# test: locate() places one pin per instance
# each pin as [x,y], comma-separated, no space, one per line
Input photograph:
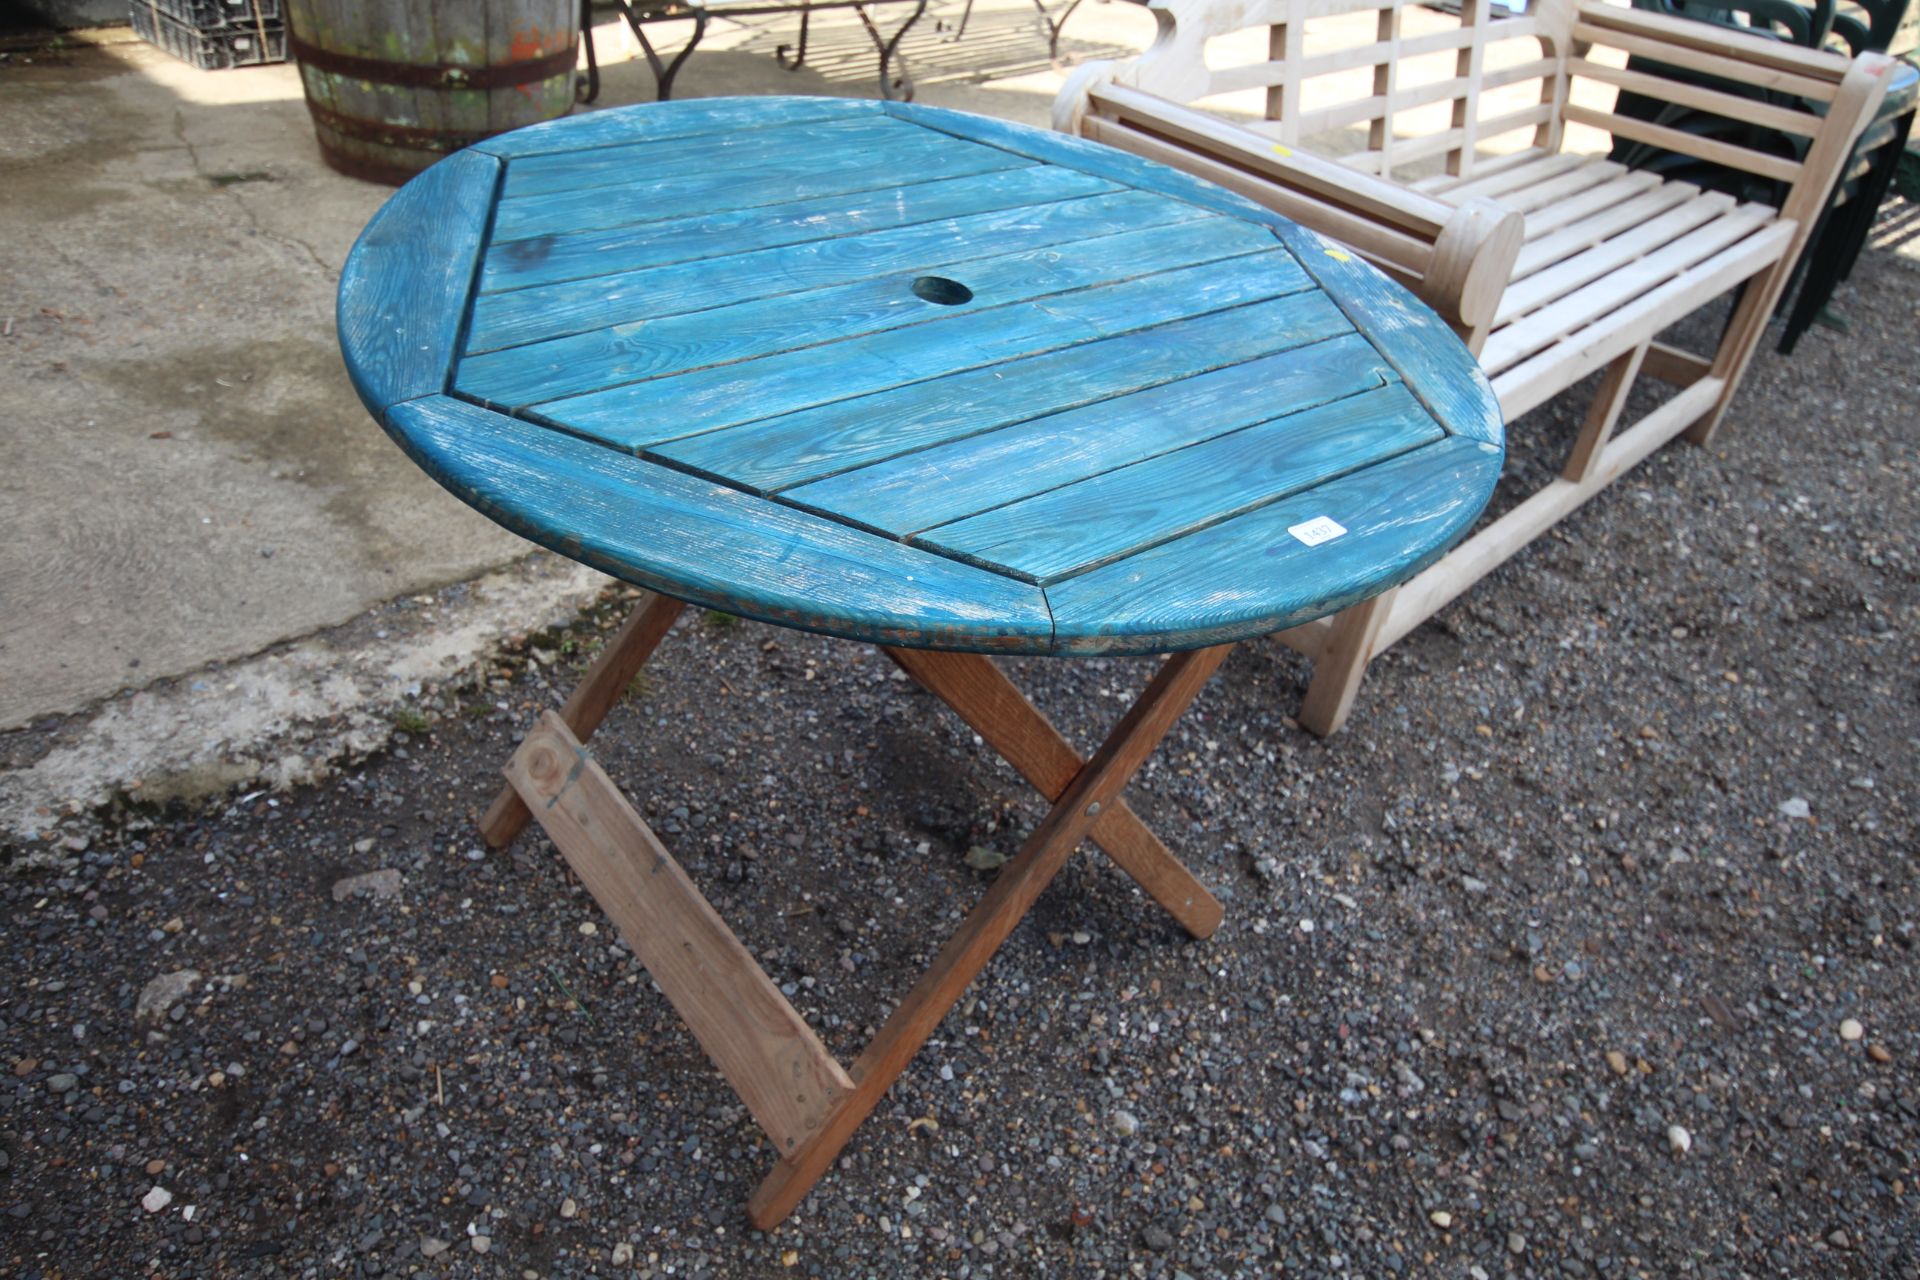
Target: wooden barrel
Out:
[394,85]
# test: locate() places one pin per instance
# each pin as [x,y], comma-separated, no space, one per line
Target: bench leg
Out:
[1341,664]
[1742,339]
[619,661]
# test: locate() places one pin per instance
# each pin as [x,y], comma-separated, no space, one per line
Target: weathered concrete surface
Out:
[187,475]
[287,716]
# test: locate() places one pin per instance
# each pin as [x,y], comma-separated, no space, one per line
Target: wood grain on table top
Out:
[912,376]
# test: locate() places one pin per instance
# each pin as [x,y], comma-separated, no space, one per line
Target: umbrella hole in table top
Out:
[947,385]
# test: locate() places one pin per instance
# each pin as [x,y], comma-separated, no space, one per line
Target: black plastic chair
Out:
[1781,20]
[1848,221]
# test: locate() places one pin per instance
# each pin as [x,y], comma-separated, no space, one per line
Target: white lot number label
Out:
[1317,530]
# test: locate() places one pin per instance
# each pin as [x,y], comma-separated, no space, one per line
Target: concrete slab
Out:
[188,477]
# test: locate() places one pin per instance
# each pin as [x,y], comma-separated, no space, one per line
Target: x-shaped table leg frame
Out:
[799,1094]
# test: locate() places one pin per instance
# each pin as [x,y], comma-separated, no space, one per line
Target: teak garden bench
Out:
[1550,262]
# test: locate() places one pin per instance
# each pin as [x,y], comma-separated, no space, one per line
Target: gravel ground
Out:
[1585,950]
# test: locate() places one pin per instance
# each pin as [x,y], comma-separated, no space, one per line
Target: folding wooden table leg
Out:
[619,660]
[1006,902]
[982,695]
[767,1052]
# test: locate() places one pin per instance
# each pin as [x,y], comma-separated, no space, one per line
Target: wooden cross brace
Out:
[808,1105]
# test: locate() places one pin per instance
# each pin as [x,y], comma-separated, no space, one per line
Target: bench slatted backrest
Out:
[1751,86]
[1391,87]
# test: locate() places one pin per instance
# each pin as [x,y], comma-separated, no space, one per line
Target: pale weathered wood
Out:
[1309,639]
[1745,159]
[1444,184]
[1004,905]
[1566,228]
[1396,252]
[1746,48]
[781,1071]
[1675,367]
[982,695]
[1384,200]
[1678,92]
[1602,413]
[1472,258]
[1862,87]
[1611,293]
[613,669]
[1538,378]
[1709,62]
[1598,262]
[1341,662]
[1489,548]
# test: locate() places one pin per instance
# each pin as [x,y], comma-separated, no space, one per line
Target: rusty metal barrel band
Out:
[417,137]
[429,75]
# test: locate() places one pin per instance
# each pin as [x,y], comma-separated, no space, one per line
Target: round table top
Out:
[914,376]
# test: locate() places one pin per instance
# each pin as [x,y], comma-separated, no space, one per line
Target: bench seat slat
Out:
[1636,198]
[1544,328]
[1584,268]
[1597,199]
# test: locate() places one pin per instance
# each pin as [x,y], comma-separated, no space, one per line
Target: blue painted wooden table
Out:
[912,376]
[895,373]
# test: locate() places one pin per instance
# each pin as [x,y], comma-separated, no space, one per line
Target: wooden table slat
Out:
[1439,368]
[1089,157]
[402,290]
[660,121]
[947,247]
[631,416]
[711,545]
[658,161]
[786,323]
[774,180]
[519,264]
[1250,576]
[937,487]
[1115,514]
[809,452]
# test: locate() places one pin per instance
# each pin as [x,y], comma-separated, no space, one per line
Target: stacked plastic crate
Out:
[214,34]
